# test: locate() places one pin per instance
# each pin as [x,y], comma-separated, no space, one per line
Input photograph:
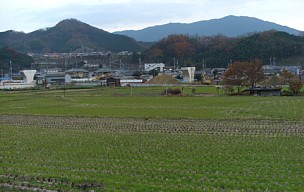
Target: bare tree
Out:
[242,74]
[253,72]
[286,75]
[234,75]
[295,85]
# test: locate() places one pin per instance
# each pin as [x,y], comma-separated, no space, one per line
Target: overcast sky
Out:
[116,15]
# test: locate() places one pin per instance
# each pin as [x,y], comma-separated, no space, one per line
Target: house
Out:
[57,78]
[292,69]
[127,81]
[219,71]
[78,73]
[113,82]
[265,91]
[51,70]
[4,79]
[103,72]
[269,70]
[146,78]
[154,66]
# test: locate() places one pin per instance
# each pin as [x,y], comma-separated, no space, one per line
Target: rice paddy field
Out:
[137,139]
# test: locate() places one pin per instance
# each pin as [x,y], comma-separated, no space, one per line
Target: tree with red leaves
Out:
[243,74]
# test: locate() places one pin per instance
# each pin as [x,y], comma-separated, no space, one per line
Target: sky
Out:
[117,15]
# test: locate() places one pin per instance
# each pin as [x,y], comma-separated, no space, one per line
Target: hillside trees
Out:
[174,46]
[218,51]
[68,35]
[19,60]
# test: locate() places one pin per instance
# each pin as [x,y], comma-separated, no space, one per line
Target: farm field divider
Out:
[107,124]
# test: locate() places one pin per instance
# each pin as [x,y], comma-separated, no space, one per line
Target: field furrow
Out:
[71,153]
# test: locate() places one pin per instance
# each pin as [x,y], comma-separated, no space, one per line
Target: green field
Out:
[118,103]
[112,140]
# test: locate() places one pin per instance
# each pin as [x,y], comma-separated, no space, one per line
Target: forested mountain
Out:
[68,36]
[19,60]
[230,26]
[218,51]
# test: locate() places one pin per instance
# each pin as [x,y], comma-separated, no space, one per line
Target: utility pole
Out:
[139,67]
[110,61]
[65,64]
[204,66]
[11,70]
[174,64]
[120,64]
[299,72]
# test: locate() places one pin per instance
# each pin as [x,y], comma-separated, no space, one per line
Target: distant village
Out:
[114,70]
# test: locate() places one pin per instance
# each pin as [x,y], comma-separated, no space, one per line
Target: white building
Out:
[27,82]
[152,66]
[188,74]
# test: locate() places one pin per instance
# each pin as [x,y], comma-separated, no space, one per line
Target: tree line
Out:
[219,51]
[250,73]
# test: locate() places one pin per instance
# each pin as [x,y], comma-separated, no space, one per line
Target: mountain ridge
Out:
[230,26]
[68,35]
